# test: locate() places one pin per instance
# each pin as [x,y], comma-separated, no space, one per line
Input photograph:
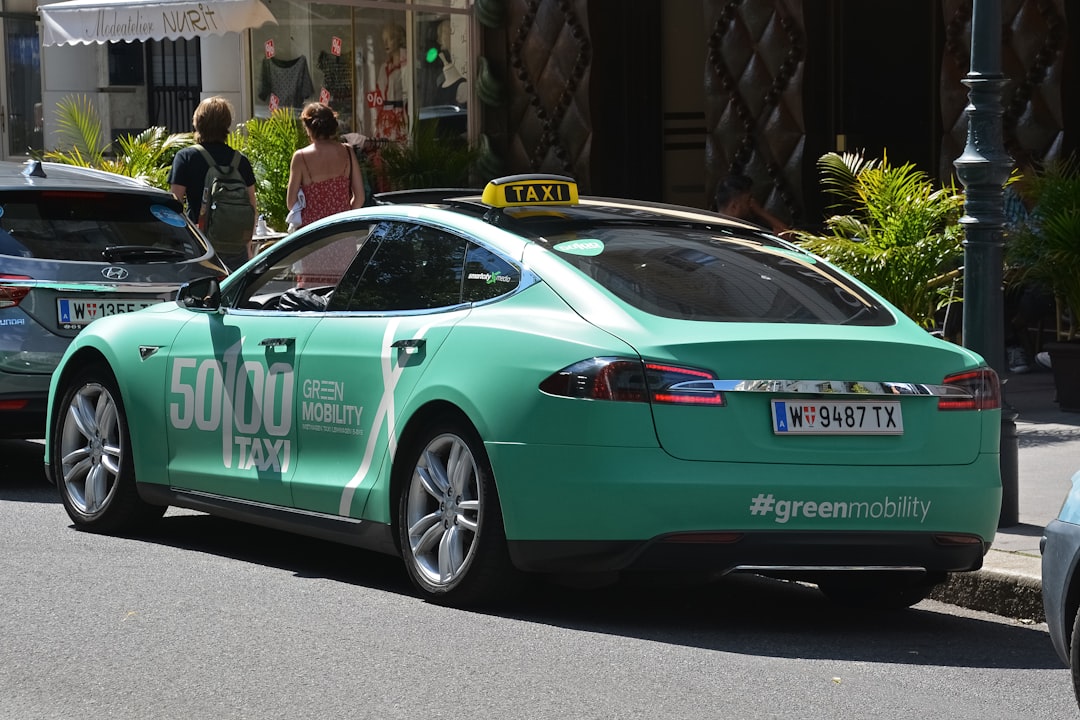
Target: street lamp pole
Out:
[983,169]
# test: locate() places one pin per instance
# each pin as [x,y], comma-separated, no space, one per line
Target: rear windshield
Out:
[712,274]
[95,227]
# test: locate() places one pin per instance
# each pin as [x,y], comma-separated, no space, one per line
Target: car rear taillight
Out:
[12,295]
[974,390]
[629,380]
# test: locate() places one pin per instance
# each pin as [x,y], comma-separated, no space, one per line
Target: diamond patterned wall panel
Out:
[753,97]
[548,126]
[1032,58]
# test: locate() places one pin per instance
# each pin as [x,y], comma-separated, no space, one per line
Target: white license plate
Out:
[80,311]
[833,417]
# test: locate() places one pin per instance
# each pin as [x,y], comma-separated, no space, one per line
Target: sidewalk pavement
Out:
[1010,582]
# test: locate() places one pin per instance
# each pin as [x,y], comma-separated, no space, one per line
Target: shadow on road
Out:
[736,614]
[22,472]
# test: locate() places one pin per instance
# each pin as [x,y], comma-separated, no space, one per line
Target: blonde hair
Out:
[212,119]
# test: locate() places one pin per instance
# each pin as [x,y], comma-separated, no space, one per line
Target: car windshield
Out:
[91,226]
[714,274]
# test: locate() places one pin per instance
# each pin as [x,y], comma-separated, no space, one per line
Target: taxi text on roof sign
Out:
[523,190]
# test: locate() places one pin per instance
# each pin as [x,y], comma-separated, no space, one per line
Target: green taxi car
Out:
[521,381]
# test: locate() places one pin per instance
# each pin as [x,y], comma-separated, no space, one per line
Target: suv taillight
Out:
[628,380]
[12,295]
[977,390]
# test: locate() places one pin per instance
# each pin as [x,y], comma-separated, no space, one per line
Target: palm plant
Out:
[147,156]
[79,130]
[1047,250]
[896,232]
[270,143]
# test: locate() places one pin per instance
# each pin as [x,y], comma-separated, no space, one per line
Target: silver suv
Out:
[75,245]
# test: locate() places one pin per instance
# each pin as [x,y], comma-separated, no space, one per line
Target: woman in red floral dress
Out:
[328,173]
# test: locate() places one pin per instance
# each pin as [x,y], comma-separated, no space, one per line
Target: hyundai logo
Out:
[114,273]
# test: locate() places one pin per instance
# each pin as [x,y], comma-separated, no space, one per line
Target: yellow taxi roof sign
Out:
[526,190]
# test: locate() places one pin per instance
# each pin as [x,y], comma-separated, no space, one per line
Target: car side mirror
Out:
[201,294]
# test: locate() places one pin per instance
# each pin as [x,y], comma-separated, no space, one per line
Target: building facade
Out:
[654,99]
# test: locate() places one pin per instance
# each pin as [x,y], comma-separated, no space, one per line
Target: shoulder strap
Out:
[348,159]
[232,166]
[307,170]
[206,155]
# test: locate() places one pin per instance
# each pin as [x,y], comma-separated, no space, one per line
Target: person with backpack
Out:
[218,184]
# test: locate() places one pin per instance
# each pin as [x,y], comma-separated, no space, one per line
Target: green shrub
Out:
[269,144]
[896,233]
[429,160]
[147,156]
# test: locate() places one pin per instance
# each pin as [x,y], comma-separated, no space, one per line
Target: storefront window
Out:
[381,64]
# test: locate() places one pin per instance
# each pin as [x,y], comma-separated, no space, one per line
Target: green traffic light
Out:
[432,55]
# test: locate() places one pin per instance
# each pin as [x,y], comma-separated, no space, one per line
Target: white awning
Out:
[102,21]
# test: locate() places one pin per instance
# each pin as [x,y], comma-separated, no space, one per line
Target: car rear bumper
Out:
[796,554]
[619,502]
[1060,584]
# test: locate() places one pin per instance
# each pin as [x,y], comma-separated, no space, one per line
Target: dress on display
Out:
[391,120]
[288,79]
[322,199]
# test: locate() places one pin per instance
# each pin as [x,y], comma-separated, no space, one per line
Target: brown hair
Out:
[321,120]
[212,119]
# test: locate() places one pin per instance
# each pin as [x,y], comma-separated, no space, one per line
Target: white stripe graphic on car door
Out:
[391,373]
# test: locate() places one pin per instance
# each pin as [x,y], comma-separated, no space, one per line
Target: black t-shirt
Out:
[189,169]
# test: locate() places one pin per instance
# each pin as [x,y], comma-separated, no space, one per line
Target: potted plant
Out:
[1047,251]
[430,159]
[270,143]
[894,231]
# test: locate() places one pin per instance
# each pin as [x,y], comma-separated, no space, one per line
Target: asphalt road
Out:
[207,618]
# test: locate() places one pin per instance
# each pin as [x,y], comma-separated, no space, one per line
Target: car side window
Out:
[294,273]
[487,275]
[408,267]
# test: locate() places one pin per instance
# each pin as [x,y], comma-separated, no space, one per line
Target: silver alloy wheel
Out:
[91,449]
[443,510]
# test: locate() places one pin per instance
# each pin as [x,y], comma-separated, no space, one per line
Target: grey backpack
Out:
[226,215]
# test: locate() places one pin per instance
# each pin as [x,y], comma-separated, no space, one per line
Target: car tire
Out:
[1074,656]
[868,590]
[450,524]
[91,457]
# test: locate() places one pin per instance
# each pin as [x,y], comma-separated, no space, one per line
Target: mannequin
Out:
[453,88]
[391,120]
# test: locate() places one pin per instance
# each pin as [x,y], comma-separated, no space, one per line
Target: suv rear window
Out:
[93,226]
[715,275]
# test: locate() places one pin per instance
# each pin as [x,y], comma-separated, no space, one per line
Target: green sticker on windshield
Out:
[588,248]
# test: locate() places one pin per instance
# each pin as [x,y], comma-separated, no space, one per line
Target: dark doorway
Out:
[875,67]
[175,82]
[889,71]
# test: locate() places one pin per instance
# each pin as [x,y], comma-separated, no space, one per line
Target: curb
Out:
[1007,592]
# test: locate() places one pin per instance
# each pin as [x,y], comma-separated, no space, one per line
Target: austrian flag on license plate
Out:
[79,311]
[832,417]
